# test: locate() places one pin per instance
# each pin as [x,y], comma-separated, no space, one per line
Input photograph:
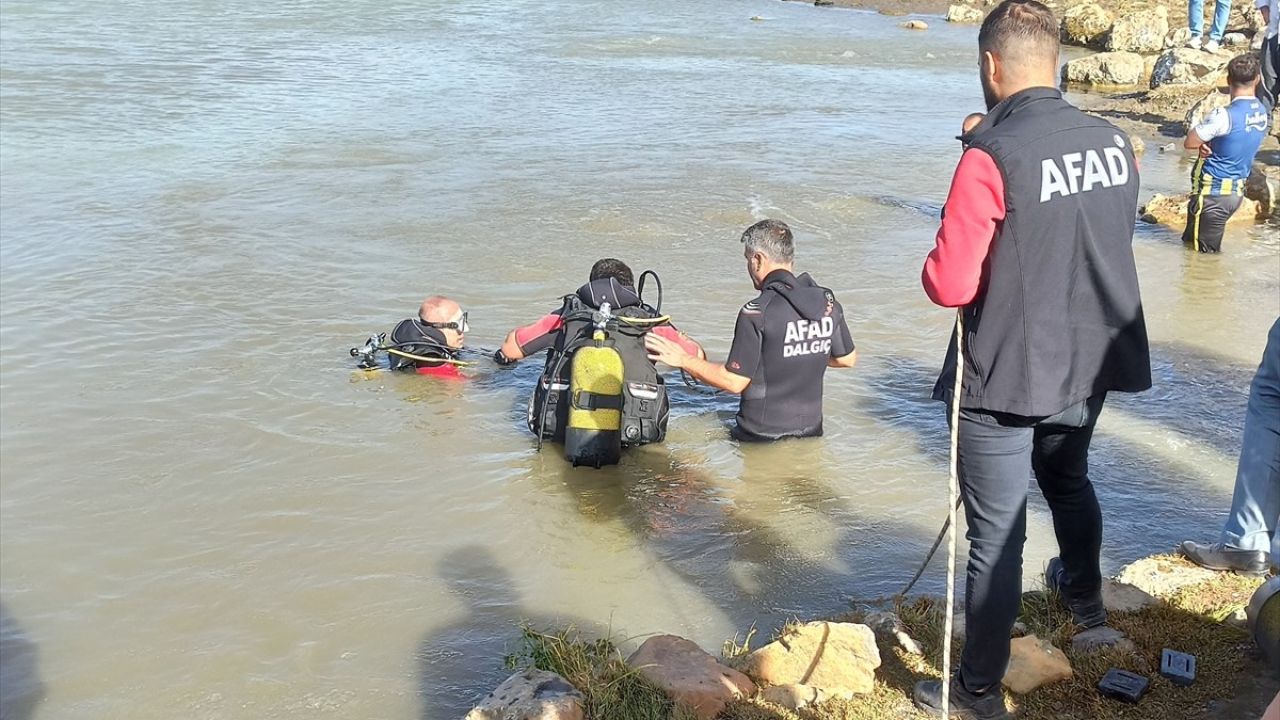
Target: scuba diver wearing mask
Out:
[598,391]
[427,345]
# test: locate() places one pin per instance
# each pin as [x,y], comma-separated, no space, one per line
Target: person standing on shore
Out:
[1270,58]
[1195,21]
[1253,525]
[783,344]
[1035,247]
[1228,140]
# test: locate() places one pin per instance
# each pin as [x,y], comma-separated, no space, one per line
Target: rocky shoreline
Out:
[1140,77]
[863,664]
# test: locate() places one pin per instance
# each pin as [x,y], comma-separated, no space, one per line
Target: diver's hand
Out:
[662,350]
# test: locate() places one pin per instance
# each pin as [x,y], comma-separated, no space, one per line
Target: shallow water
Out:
[204,511]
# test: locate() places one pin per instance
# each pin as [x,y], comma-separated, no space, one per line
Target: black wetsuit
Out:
[783,341]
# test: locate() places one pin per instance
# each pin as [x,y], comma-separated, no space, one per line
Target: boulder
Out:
[1235,38]
[1100,638]
[1034,662]
[531,695]
[1140,32]
[1162,576]
[1118,597]
[916,25]
[1212,100]
[1244,18]
[1264,189]
[888,626]
[837,658]
[823,3]
[1139,145]
[689,675]
[1177,37]
[1106,69]
[1086,24]
[793,697]
[964,14]
[1184,66]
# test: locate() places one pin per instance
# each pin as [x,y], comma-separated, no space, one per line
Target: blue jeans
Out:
[1255,510]
[1195,17]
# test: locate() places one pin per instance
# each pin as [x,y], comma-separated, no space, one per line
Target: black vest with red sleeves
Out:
[1058,317]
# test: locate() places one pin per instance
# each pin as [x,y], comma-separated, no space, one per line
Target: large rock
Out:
[1184,66]
[1118,597]
[1263,187]
[1034,662]
[531,695]
[1105,69]
[964,14]
[1140,32]
[1244,18]
[915,25]
[1171,210]
[1211,101]
[689,675]
[837,658]
[1086,24]
[1163,576]
[1177,37]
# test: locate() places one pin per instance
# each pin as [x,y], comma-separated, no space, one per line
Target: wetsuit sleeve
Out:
[538,336]
[670,332]
[748,343]
[952,275]
[842,341]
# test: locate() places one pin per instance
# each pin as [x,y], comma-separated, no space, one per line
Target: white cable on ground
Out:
[954,488]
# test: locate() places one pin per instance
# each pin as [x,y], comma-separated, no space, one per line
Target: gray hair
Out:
[771,238]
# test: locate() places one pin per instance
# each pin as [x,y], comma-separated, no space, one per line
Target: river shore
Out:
[863,664]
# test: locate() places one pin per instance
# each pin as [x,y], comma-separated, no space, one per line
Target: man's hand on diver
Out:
[1205,151]
[662,350]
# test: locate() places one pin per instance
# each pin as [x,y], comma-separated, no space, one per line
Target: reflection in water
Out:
[20,686]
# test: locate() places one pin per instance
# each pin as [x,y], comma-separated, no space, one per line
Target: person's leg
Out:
[1211,226]
[1270,87]
[1060,457]
[1221,13]
[1255,509]
[995,470]
[1195,207]
[1195,17]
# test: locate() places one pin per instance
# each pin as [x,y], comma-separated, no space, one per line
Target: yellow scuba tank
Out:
[594,433]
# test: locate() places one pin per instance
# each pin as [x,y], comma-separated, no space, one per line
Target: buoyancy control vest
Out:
[412,337]
[643,404]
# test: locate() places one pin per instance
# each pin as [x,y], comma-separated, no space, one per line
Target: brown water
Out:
[205,514]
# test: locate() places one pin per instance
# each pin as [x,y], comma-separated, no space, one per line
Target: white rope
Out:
[954,491]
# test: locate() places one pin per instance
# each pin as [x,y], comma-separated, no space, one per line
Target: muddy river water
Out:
[204,513]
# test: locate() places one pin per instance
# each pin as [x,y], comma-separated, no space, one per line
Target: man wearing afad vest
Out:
[1036,248]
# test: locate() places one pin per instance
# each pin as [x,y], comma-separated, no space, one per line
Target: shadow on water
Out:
[1148,503]
[21,689]
[462,662]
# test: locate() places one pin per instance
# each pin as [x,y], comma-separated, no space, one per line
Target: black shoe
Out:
[1087,610]
[964,704]
[1224,557]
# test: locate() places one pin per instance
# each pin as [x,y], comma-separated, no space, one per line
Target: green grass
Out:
[1188,622]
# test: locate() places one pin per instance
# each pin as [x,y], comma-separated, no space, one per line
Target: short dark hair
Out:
[772,238]
[1020,31]
[1243,70]
[613,268]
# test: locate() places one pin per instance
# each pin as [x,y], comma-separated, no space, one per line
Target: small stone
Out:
[689,675]
[1019,629]
[838,658]
[1235,38]
[964,14]
[1034,662]
[889,626]
[1139,145]
[916,25]
[823,3]
[1239,619]
[531,695]
[1099,638]
[793,697]
[1177,37]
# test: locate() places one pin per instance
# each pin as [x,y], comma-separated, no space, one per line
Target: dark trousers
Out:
[998,454]
[1207,217]
[1270,87]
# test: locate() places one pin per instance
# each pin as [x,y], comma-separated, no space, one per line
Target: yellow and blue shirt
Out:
[1234,133]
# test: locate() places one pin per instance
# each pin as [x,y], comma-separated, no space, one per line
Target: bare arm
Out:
[845,361]
[1193,141]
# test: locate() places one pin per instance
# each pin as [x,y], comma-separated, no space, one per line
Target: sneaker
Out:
[1225,557]
[1087,610]
[1257,41]
[964,704]
[1212,46]
[1194,43]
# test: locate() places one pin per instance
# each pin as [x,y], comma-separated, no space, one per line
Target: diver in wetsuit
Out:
[565,330]
[427,345]
[783,344]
